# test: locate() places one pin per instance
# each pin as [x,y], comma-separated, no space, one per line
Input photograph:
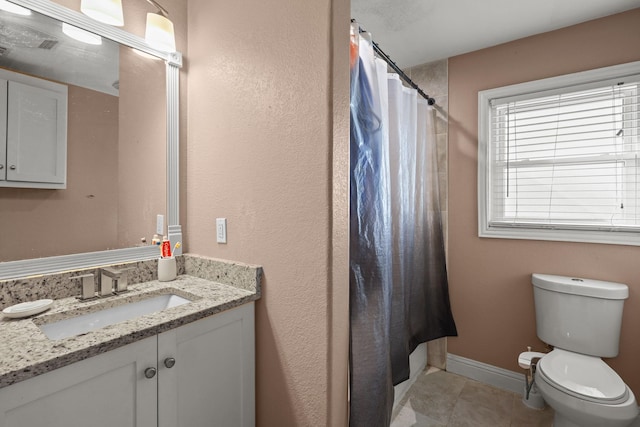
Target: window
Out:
[559,159]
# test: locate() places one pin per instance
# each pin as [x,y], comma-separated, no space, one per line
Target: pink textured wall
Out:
[491,294]
[338,286]
[260,153]
[142,150]
[83,217]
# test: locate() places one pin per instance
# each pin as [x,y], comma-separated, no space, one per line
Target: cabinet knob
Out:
[169,362]
[12,167]
[1,167]
[150,372]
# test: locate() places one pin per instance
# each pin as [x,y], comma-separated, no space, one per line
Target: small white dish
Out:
[26,309]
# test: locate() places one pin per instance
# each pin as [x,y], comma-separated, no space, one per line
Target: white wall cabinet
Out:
[203,375]
[33,132]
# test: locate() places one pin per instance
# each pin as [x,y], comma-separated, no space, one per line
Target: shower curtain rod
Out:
[381,53]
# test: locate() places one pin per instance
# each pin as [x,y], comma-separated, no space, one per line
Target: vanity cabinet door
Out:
[103,391]
[212,382]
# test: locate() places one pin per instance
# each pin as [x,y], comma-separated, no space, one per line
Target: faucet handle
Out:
[88,286]
[114,273]
[114,280]
[122,282]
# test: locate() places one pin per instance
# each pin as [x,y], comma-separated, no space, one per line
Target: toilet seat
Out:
[584,377]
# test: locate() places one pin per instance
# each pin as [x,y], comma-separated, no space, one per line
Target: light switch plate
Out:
[160,225]
[221,230]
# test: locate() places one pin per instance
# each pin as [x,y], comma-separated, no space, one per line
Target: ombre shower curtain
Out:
[398,280]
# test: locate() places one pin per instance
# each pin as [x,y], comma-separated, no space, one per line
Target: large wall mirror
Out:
[122,144]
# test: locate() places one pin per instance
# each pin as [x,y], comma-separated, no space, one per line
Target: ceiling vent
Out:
[48,44]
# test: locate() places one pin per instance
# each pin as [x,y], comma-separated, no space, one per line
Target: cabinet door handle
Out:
[169,362]
[1,167]
[150,372]
[12,167]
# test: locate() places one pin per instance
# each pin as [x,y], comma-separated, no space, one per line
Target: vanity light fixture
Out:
[105,11]
[81,35]
[14,8]
[159,33]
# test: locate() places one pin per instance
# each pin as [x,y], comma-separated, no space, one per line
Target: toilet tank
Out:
[579,315]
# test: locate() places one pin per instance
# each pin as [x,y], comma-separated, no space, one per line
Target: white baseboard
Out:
[488,374]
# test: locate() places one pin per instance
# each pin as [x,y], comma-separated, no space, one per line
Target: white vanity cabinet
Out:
[200,374]
[33,132]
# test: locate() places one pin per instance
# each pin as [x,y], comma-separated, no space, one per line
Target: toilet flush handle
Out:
[526,359]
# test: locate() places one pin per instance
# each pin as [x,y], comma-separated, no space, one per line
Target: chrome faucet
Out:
[113,281]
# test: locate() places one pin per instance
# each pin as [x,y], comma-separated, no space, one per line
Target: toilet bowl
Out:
[581,319]
[584,391]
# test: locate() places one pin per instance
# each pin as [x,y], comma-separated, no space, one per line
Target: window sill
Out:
[579,236]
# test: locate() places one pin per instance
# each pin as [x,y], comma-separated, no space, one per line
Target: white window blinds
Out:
[566,158]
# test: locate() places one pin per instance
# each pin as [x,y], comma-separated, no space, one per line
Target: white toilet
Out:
[581,319]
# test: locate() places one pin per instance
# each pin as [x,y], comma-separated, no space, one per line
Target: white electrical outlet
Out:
[221,230]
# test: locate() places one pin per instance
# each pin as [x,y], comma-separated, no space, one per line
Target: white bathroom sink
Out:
[99,319]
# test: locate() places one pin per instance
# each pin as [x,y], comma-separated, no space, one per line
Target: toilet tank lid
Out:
[579,286]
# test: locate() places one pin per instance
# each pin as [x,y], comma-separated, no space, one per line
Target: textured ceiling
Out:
[414,32]
[36,45]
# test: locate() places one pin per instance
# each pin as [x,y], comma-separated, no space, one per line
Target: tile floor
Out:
[443,399]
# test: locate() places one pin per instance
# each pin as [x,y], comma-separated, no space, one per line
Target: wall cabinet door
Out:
[34,132]
[213,380]
[4,88]
[104,391]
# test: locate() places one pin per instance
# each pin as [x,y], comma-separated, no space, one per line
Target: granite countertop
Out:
[26,352]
